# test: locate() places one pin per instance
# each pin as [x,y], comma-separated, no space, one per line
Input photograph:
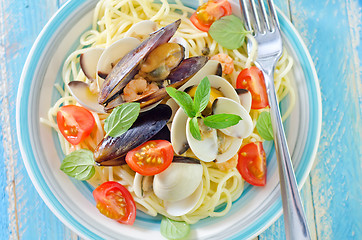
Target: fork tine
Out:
[273,14]
[257,25]
[264,15]
[245,14]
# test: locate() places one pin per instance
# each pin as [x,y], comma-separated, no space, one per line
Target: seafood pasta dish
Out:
[163,111]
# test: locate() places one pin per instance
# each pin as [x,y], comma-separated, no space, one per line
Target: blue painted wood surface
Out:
[332,193]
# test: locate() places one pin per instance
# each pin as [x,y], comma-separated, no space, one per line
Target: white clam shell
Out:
[245,100]
[137,185]
[245,126]
[228,147]
[206,149]
[81,92]
[178,181]
[174,107]
[185,205]
[178,132]
[89,60]
[141,29]
[112,54]
[182,42]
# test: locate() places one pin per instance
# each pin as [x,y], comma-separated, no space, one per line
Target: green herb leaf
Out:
[220,121]
[202,95]
[121,119]
[264,126]
[79,164]
[194,128]
[229,32]
[183,100]
[174,230]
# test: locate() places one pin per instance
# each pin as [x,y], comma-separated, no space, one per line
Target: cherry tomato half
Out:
[75,123]
[253,80]
[150,158]
[115,201]
[252,163]
[209,12]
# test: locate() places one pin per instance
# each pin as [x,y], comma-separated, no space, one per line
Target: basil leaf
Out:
[79,164]
[264,126]
[202,95]
[220,121]
[194,128]
[174,230]
[183,100]
[121,119]
[229,32]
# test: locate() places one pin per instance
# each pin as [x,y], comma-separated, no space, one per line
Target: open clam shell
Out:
[245,126]
[178,181]
[88,62]
[142,29]
[112,54]
[82,93]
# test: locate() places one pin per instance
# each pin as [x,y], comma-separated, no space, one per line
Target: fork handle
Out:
[296,226]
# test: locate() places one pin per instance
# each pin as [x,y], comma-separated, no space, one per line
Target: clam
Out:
[179,180]
[178,132]
[142,29]
[128,66]
[84,96]
[112,54]
[88,62]
[112,151]
[174,107]
[207,149]
[245,98]
[185,205]
[241,130]
[227,146]
[142,185]
[182,42]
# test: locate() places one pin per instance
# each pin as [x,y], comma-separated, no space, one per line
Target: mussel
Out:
[128,66]
[177,77]
[112,151]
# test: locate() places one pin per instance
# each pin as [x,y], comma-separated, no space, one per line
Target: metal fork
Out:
[266,30]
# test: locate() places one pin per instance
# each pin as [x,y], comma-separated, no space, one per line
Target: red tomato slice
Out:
[115,201]
[253,80]
[209,12]
[150,158]
[252,163]
[75,123]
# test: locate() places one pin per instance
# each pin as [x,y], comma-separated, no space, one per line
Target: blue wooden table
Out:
[332,193]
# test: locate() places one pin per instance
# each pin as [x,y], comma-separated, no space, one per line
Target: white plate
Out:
[72,200]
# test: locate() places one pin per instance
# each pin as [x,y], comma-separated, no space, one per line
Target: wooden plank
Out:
[332,39]
[28,217]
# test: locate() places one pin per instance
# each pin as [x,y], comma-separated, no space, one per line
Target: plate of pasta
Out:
[148,120]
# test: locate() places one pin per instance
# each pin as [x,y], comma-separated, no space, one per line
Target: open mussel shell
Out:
[144,128]
[178,76]
[128,66]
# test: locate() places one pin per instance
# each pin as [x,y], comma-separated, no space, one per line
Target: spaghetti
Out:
[111,20]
